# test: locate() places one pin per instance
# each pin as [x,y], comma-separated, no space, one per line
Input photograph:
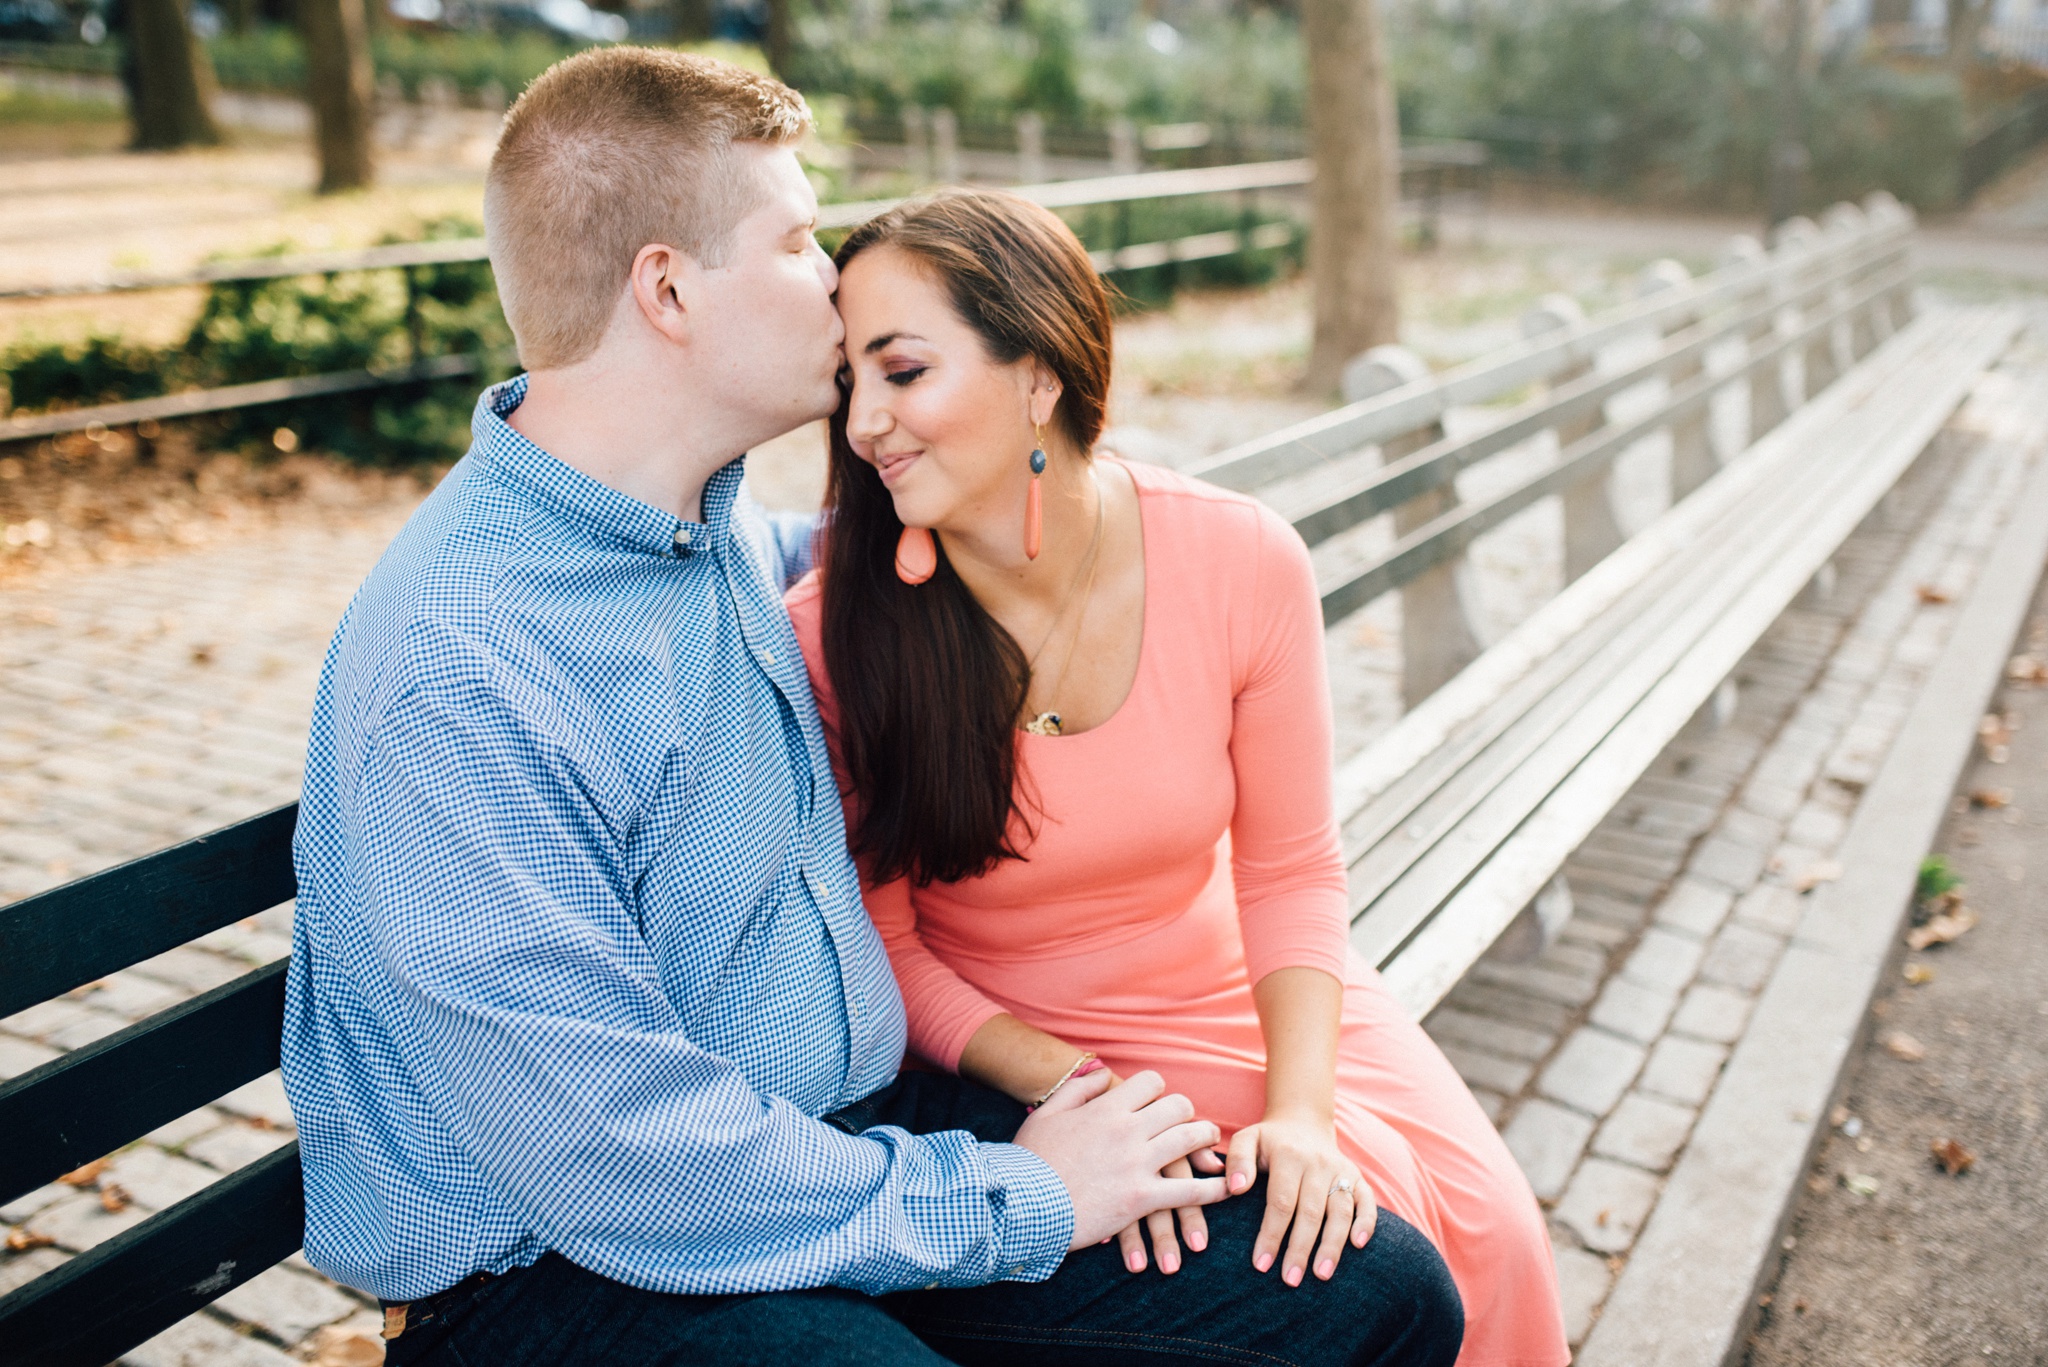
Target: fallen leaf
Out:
[202,654]
[1799,1306]
[1928,593]
[114,1198]
[1818,872]
[1996,737]
[1918,974]
[85,1176]
[1901,1045]
[1991,797]
[21,1240]
[1952,1156]
[2030,669]
[1839,1116]
[336,1346]
[1860,1184]
[1601,1218]
[1942,929]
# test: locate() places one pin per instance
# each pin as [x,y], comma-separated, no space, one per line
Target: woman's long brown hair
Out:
[929,685]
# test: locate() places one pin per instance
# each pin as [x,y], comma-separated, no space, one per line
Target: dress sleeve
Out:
[941,1008]
[1285,852]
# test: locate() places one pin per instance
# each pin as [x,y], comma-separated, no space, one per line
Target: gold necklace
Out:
[1047,723]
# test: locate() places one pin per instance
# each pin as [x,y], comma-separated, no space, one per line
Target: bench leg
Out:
[1535,926]
[1438,637]
[1692,442]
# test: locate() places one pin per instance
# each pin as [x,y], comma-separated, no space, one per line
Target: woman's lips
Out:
[891,468]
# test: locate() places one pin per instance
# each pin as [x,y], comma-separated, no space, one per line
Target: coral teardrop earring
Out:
[1034,508]
[917,555]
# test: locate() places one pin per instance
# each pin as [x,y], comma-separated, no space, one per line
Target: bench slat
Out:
[92,1101]
[71,935]
[139,1283]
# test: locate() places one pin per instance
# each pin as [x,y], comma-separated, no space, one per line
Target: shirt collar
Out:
[596,509]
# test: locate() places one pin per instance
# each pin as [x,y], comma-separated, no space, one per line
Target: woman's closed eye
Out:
[905,376]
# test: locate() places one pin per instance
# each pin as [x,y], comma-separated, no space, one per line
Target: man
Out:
[592,1048]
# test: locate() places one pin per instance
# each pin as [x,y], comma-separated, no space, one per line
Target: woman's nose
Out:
[866,417]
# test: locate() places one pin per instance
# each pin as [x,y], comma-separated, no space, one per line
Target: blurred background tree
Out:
[169,79]
[341,88]
[1356,144]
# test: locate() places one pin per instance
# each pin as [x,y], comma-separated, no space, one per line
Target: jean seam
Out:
[1106,1338]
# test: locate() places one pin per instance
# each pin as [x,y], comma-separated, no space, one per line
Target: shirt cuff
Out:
[1034,1216]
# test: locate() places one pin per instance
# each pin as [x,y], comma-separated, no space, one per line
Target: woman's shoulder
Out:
[1210,519]
[805,603]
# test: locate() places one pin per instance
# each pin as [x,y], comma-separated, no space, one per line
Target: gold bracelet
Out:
[1065,1078]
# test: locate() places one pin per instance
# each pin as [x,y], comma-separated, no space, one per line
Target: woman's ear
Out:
[1045,394]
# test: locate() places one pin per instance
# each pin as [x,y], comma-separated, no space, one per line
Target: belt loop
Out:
[394,1320]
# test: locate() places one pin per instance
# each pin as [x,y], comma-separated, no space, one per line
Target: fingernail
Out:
[1292,1276]
[1237,1181]
[1325,1268]
[1168,1263]
[1198,1241]
[1262,1261]
[1136,1262]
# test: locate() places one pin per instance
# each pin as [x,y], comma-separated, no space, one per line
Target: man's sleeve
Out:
[532,1014]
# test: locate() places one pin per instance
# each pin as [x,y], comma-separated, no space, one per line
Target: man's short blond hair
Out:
[606,152]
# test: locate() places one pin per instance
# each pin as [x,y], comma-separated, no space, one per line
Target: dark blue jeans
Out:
[1391,1303]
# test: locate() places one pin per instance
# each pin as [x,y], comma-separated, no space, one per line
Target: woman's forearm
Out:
[1301,1012]
[1016,1059]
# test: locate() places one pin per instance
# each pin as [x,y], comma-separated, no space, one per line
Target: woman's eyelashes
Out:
[905,376]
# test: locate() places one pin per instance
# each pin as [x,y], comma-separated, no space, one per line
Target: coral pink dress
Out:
[1187,847]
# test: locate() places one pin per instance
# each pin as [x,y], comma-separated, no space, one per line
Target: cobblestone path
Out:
[147,703]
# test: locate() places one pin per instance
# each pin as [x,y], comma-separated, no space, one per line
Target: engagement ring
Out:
[1342,1184]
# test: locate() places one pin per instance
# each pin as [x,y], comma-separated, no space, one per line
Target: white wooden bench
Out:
[1459,818]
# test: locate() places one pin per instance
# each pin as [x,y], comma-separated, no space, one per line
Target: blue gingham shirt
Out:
[579,956]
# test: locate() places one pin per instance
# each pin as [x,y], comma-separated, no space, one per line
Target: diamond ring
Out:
[1342,1184]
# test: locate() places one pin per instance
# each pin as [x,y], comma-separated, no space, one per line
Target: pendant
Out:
[1044,724]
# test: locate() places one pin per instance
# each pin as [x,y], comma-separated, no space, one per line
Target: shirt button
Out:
[931,1286]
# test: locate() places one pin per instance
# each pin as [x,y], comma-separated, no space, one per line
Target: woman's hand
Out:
[1310,1184]
[1194,1230]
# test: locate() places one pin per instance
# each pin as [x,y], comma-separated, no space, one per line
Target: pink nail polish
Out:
[1263,1262]
[1325,1268]
[1292,1276]
[1137,1262]
[1198,1242]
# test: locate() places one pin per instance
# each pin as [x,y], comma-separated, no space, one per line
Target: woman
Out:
[1080,709]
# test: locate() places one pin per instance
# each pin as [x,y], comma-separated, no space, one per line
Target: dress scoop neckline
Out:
[1145,620]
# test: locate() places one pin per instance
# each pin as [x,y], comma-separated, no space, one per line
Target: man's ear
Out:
[664,284]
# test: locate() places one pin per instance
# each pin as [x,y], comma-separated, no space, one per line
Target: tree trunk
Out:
[341,87]
[781,35]
[1966,20]
[170,79]
[1356,144]
[1787,184]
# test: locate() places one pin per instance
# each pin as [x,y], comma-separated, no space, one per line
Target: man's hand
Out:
[1109,1143]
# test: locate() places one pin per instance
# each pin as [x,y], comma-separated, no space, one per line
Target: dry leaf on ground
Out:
[1859,1183]
[336,1346]
[21,1241]
[1942,929]
[1991,797]
[1952,1156]
[1901,1045]
[1918,974]
[114,1198]
[1932,593]
[85,1176]
[2027,669]
[1996,736]
[1816,873]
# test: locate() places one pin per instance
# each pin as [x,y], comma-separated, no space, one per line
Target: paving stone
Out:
[195,970]
[157,1179]
[18,1056]
[1664,959]
[1712,1013]
[1583,1280]
[1546,1140]
[1645,1130]
[28,1203]
[1505,1038]
[1480,1069]
[1751,829]
[81,1222]
[1694,907]
[1728,863]
[45,1018]
[1606,1204]
[130,995]
[1595,935]
[1505,1003]
[203,1342]
[236,1146]
[19,1269]
[186,1127]
[1591,1071]
[1770,907]
[263,1099]
[1741,957]
[1817,826]
[1632,1010]
[1683,1070]
[83,1030]
[286,1305]
[1565,989]
[1492,1103]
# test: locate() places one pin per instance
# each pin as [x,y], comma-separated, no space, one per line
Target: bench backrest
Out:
[98,1098]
